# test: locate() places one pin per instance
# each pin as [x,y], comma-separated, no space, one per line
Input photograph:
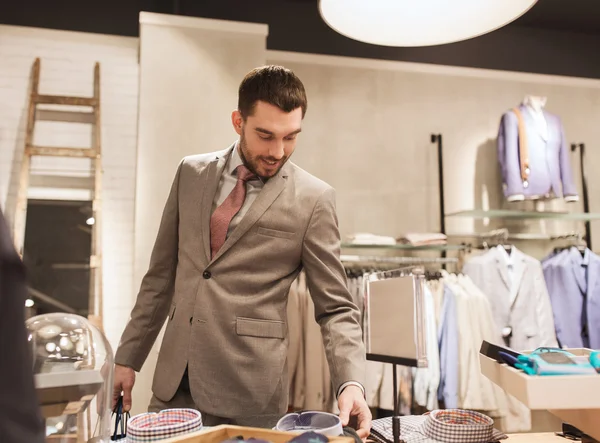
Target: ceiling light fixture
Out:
[419,22]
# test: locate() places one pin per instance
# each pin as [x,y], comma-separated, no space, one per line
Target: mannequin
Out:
[536,103]
[535,106]
[533,154]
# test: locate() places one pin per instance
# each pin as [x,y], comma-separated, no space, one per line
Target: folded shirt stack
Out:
[424,239]
[152,426]
[440,426]
[370,239]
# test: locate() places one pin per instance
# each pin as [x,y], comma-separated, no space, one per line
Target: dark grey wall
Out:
[56,234]
[555,37]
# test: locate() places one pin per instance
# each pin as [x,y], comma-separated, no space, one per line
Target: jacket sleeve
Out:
[558,298]
[336,313]
[508,156]
[566,173]
[157,287]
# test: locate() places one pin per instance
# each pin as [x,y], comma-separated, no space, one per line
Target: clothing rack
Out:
[433,275]
[573,235]
[502,237]
[494,238]
[358,265]
[579,242]
[361,259]
[396,273]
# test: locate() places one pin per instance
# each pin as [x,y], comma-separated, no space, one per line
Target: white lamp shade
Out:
[419,22]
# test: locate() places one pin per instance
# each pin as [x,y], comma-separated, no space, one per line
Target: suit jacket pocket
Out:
[260,328]
[275,233]
[172,311]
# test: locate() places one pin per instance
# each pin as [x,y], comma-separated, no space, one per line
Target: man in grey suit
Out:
[238,227]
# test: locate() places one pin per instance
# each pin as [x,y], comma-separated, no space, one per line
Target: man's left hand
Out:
[352,403]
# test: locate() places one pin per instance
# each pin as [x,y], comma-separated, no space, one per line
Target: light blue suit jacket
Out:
[550,166]
[573,283]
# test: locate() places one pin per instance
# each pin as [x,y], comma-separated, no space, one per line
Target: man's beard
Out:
[252,162]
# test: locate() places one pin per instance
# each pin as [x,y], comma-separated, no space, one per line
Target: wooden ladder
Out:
[84,116]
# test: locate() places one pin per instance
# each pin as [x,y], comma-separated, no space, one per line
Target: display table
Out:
[217,434]
[575,399]
[220,433]
[546,437]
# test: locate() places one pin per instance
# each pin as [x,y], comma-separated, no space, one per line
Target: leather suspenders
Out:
[523,149]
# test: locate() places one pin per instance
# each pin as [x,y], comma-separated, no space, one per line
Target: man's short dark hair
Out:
[272,84]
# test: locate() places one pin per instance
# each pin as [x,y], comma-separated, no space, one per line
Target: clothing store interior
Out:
[423,268]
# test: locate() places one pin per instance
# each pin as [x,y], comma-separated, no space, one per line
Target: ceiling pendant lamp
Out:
[419,22]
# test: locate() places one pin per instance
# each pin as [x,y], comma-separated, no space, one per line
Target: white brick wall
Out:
[67,63]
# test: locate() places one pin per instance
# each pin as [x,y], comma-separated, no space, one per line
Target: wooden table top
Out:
[546,437]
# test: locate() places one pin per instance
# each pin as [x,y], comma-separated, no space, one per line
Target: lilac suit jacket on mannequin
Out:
[574,286]
[550,166]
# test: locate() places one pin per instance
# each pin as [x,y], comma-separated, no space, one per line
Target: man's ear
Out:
[237,121]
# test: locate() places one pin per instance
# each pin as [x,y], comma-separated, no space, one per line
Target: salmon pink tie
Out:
[219,222]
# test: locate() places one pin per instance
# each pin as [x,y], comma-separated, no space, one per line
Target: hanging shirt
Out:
[448,340]
[426,380]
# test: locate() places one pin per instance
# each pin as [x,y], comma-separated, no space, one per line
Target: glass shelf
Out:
[530,236]
[405,247]
[517,214]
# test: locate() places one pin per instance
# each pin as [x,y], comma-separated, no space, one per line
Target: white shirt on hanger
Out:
[427,380]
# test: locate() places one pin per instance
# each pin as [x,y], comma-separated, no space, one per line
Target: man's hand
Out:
[352,403]
[124,379]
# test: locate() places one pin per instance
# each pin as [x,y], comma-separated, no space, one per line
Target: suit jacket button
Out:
[206,275]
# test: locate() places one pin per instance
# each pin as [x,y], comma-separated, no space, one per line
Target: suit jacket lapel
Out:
[576,268]
[263,201]
[519,265]
[211,183]
[502,267]
[536,124]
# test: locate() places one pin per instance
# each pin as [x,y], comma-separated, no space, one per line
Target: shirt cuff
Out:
[572,198]
[350,383]
[515,198]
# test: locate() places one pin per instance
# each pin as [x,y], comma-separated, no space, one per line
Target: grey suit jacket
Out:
[524,306]
[550,166]
[227,315]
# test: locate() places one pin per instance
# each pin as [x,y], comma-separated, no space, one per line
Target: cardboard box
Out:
[219,433]
[575,399]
